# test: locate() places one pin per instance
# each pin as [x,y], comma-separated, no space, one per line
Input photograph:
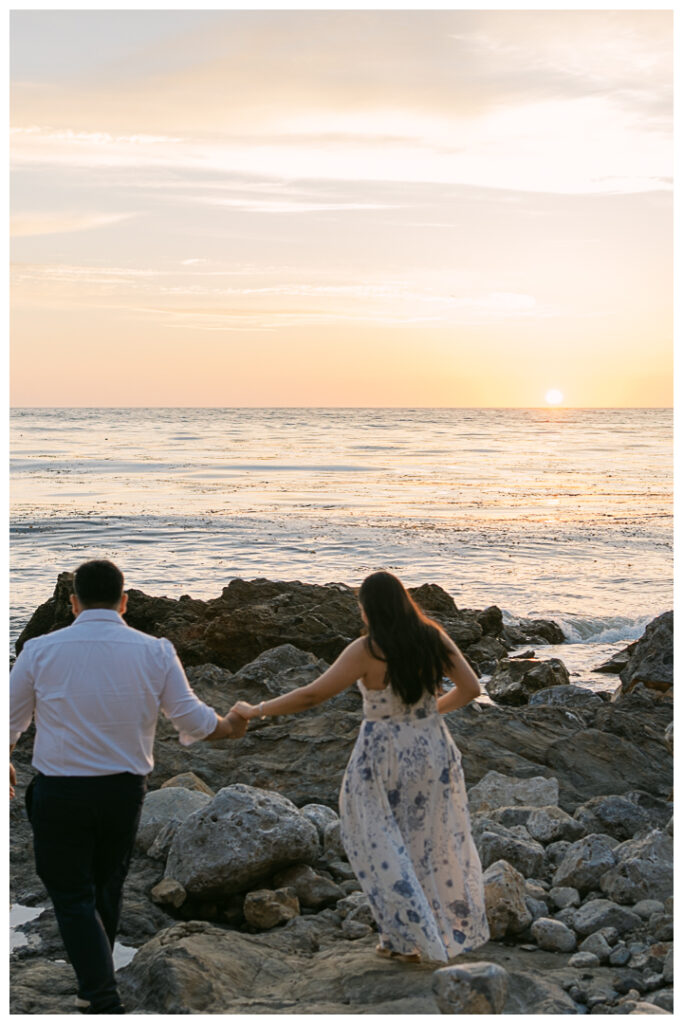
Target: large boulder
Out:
[643,869]
[505,897]
[584,863]
[553,935]
[566,695]
[496,790]
[238,839]
[651,660]
[252,616]
[167,807]
[532,631]
[516,679]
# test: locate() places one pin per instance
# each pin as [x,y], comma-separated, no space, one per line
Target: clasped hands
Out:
[239,716]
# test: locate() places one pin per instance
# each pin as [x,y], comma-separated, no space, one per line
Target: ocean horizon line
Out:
[463,408]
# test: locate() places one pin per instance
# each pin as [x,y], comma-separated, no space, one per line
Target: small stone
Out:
[537,908]
[646,908]
[553,935]
[341,870]
[596,944]
[602,913]
[332,840]
[534,889]
[610,934]
[620,955]
[477,987]
[188,780]
[168,892]
[662,926]
[628,983]
[528,947]
[664,999]
[584,959]
[562,896]
[653,980]
[321,816]
[357,908]
[668,970]
[643,1007]
[265,908]
[355,929]
[312,889]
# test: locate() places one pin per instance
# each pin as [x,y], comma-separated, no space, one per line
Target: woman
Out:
[403,806]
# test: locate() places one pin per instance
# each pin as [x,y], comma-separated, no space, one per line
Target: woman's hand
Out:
[245,710]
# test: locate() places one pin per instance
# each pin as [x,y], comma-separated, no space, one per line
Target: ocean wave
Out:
[602,629]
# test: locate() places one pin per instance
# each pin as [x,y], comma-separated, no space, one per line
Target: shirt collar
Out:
[98,615]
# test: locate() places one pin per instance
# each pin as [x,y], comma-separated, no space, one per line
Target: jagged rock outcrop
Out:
[651,659]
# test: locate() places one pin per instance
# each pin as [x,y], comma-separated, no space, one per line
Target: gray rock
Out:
[554,852]
[598,945]
[266,908]
[535,889]
[495,790]
[646,908]
[584,959]
[643,869]
[357,908]
[332,840]
[616,815]
[163,807]
[242,836]
[352,929]
[498,843]
[598,914]
[312,890]
[566,916]
[651,660]
[668,968]
[506,909]
[321,816]
[537,908]
[548,824]
[562,896]
[611,934]
[477,987]
[553,935]
[516,679]
[662,927]
[584,863]
[341,870]
[620,955]
[664,999]
[565,695]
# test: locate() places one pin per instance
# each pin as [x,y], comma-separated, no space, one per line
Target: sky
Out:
[341,208]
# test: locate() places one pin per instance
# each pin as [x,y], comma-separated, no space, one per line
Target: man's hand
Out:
[238,724]
[13,779]
[231,727]
[244,710]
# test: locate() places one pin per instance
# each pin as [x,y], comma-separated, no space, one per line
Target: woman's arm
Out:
[466,687]
[349,666]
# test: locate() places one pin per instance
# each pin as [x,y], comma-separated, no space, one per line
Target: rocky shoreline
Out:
[240,898]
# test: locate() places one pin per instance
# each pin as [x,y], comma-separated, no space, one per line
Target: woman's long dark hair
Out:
[412,645]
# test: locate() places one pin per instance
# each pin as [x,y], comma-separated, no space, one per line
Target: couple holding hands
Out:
[95,690]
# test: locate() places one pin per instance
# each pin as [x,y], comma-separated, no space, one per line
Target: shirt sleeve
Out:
[22,697]
[193,719]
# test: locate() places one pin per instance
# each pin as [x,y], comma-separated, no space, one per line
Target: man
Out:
[96,688]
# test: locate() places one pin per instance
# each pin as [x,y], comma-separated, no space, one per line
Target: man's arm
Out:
[22,700]
[193,719]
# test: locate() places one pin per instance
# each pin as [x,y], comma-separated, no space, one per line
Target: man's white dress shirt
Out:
[96,688]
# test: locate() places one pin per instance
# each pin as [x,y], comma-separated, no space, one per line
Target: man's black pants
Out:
[83,834]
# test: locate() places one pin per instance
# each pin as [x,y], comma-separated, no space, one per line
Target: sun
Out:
[554,397]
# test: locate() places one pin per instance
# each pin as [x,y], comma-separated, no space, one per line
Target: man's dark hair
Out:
[98,584]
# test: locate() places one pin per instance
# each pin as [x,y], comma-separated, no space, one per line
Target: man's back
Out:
[97,688]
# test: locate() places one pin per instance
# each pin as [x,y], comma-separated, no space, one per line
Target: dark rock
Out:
[566,695]
[616,815]
[643,869]
[617,662]
[651,660]
[530,631]
[514,680]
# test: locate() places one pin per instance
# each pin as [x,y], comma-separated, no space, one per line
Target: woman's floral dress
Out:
[406,830]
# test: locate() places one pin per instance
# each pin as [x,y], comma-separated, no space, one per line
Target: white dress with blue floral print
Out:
[406,829]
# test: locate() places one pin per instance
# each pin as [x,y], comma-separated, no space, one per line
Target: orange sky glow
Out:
[350,208]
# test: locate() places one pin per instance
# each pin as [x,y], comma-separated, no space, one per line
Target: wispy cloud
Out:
[61,222]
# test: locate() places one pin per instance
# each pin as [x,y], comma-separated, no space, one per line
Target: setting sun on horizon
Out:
[341,208]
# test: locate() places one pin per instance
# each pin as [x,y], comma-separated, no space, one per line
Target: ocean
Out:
[559,513]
